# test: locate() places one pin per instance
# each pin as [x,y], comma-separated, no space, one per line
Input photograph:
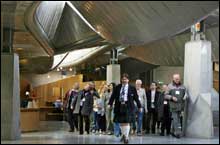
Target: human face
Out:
[138,85]
[91,85]
[105,88]
[153,86]
[164,88]
[87,87]
[76,86]
[124,80]
[176,78]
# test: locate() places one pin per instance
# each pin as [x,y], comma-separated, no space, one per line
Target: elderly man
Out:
[176,93]
[143,99]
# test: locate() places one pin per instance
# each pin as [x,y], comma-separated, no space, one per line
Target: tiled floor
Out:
[56,133]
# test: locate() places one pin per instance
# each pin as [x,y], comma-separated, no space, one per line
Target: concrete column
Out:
[198,81]
[7,40]
[113,70]
[113,73]
[10,97]
[2,33]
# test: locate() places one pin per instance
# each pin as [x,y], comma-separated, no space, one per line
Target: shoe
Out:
[96,132]
[126,141]
[176,136]
[71,130]
[161,134]
[133,132]
[109,133]
[139,134]
[122,138]
[104,133]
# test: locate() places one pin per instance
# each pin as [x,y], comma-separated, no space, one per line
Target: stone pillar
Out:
[198,81]
[2,34]
[10,87]
[113,73]
[113,70]
[7,40]
[10,97]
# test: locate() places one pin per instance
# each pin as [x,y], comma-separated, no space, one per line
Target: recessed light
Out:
[19,49]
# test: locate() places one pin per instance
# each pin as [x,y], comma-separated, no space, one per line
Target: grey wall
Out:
[165,73]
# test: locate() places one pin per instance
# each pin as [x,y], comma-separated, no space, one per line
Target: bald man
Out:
[176,94]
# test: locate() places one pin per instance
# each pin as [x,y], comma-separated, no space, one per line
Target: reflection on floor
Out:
[57,133]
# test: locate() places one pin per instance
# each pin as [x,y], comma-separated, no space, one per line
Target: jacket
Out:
[76,102]
[160,106]
[132,96]
[179,91]
[87,106]
[157,95]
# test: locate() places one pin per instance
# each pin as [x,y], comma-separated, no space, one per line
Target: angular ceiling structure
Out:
[153,32]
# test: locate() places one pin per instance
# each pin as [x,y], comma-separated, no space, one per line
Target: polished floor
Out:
[57,133]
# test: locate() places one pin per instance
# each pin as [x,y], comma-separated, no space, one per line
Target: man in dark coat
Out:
[124,96]
[152,99]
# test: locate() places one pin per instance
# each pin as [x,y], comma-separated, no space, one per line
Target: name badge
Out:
[165,102]
[177,92]
[122,102]
[139,98]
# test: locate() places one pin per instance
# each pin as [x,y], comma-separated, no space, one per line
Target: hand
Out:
[182,113]
[174,99]
[140,109]
[109,107]
[146,111]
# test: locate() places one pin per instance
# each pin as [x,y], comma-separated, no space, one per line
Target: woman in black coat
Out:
[164,114]
[86,106]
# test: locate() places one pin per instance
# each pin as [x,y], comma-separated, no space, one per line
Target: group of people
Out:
[124,109]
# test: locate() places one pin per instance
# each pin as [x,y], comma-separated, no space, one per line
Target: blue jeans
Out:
[116,129]
[139,122]
[95,122]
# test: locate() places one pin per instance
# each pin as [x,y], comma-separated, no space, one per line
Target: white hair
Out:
[138,81]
